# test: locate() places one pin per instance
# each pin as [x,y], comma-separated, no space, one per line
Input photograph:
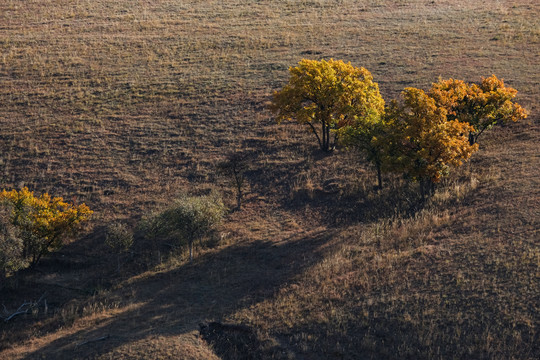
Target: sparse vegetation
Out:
[122,105]
[234,168]
[119,238]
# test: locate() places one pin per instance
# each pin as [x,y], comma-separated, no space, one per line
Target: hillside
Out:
[124,105]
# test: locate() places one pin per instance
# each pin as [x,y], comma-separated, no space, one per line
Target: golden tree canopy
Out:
[425,144]
[330,94]
[482,106]
[45,221]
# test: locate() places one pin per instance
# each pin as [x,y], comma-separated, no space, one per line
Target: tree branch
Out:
[92,340]
[315,132]
[21,310]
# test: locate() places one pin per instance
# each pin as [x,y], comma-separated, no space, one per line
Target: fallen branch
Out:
[25,308]
[92,340]
[19,311]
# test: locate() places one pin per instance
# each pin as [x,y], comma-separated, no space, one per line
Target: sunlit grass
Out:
[125,104]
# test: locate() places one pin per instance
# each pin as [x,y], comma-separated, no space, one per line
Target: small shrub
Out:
[188,219]
[119,238]
[234,168]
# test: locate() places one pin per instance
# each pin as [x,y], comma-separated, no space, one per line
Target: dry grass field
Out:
[125,104]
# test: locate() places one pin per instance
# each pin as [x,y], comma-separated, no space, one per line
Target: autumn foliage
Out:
[327,95]
[422,142]
[40,224]
[423,136]
[481,105]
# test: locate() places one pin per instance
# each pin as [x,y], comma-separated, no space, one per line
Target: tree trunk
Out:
[316,135]
[472,138]
[238,177]
[427,188]
[239,200]
[35,260]
[379,175]
[423,189]
[324,139]
[191,251]
[330,147]
[326,145]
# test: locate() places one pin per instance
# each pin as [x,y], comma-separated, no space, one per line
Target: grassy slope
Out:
[121,104]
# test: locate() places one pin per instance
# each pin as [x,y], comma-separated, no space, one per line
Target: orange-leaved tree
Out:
[423,143]
[327,95]
[482,106]
[44,222]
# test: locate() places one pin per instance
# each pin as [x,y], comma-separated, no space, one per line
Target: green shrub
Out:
[118,237]
[11,245]
[188,219]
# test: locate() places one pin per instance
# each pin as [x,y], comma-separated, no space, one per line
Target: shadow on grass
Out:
[398,199]
[175,302]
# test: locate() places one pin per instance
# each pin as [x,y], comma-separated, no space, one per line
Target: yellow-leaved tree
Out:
[423,143]
[43,223]
[326,96]
[481,105]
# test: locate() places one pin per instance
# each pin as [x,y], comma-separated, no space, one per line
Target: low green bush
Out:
[187,220]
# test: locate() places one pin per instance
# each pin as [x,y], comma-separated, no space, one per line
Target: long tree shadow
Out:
[175,302]
[400,199]
[331,192]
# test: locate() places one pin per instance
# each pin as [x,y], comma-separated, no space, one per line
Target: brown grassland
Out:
[125,104]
